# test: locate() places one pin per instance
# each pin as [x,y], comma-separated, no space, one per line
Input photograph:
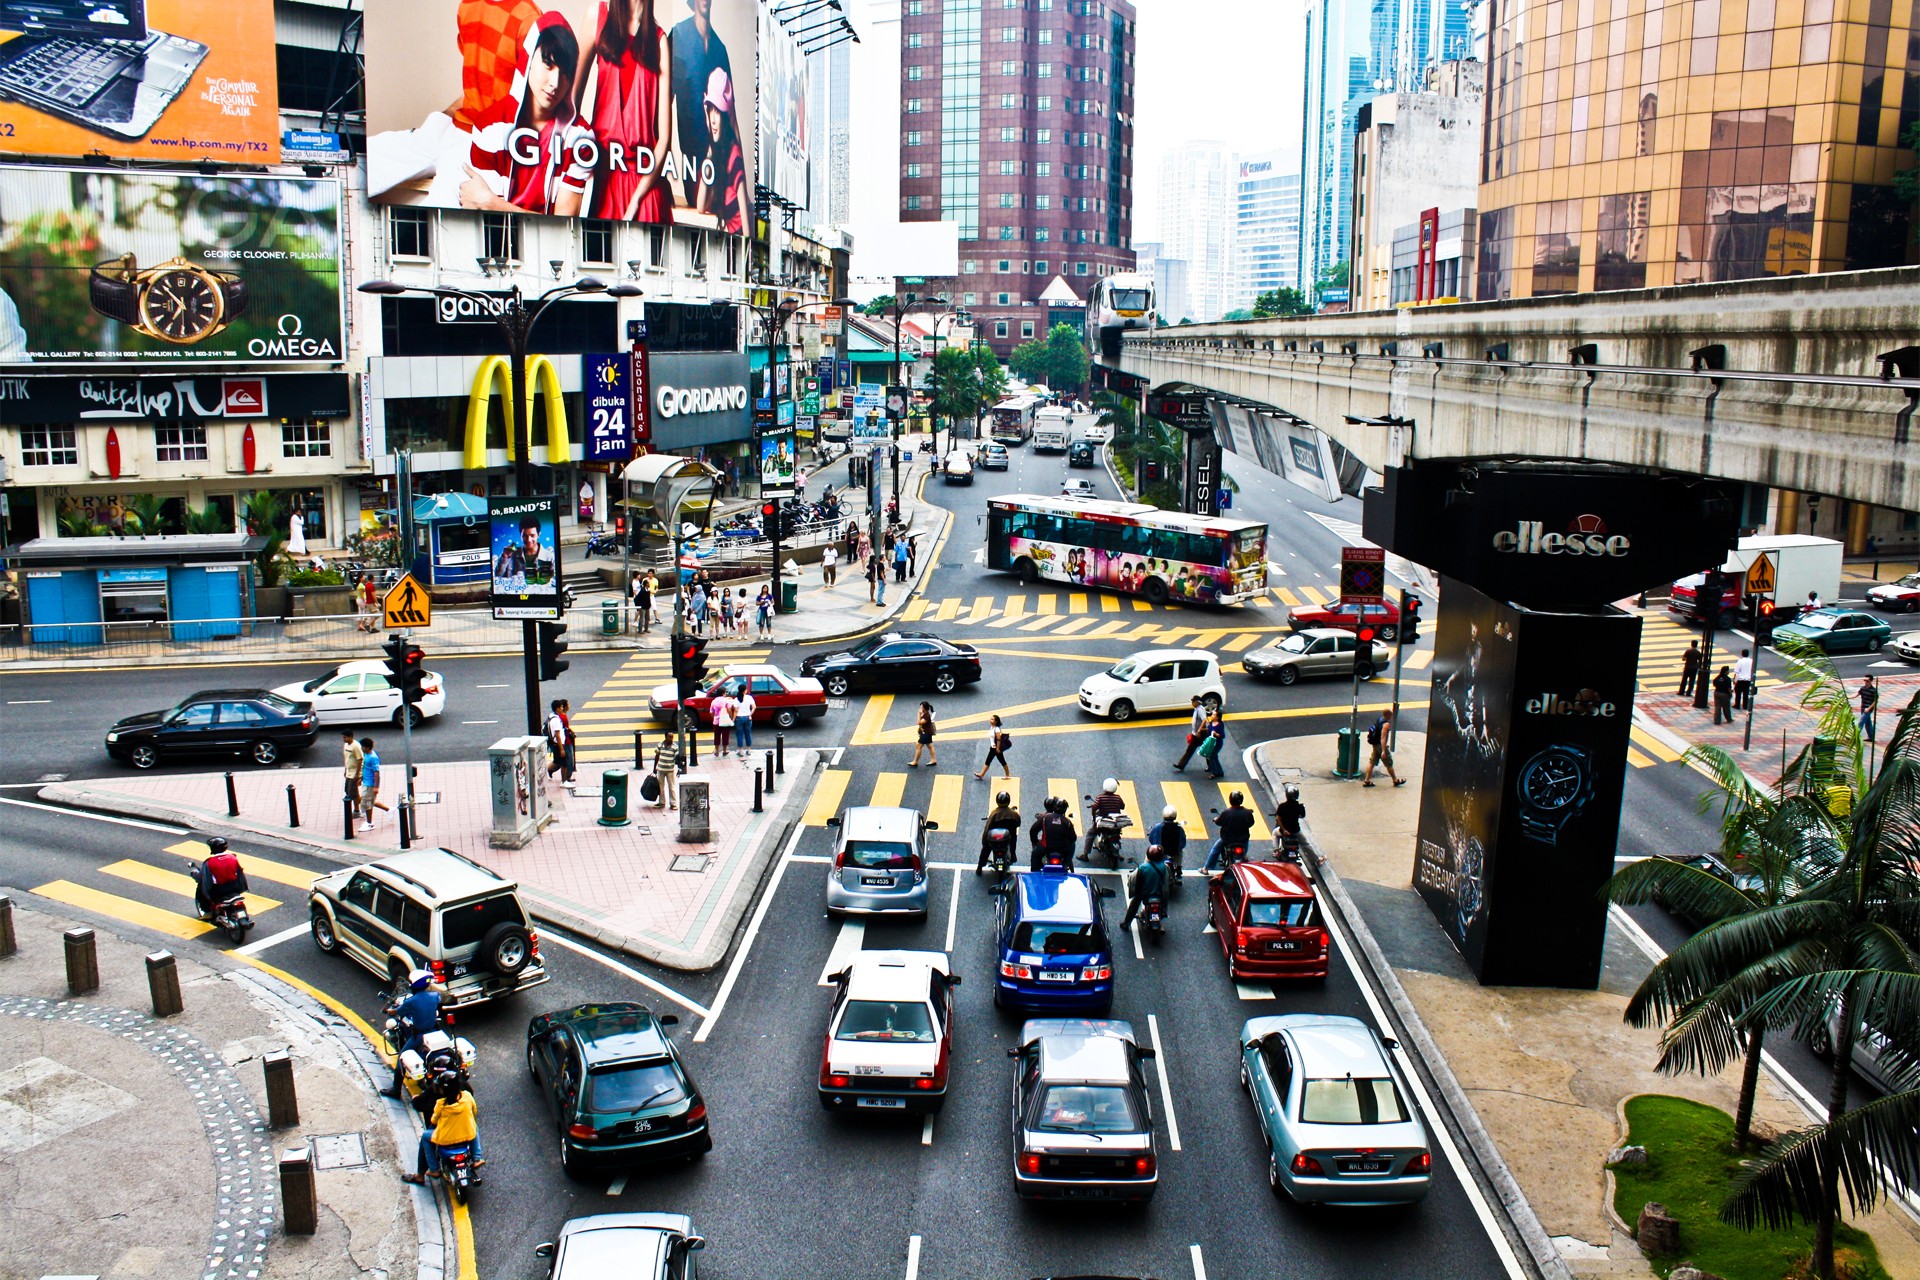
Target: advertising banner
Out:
[163,80]
[34,400]
[785,87]
[525,546]
[634,110]
[162,269]
[608,384]
[642,391]
[698,398]
[777,463]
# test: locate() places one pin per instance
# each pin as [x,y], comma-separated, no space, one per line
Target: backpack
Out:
[1373,734]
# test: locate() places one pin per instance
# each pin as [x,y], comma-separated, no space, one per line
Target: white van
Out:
[958,468]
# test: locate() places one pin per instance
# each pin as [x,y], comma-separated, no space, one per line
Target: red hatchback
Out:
[1383,618]
[778,698]
[1268,921]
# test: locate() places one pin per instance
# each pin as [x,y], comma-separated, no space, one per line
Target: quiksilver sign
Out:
[674,401]
[1588,536]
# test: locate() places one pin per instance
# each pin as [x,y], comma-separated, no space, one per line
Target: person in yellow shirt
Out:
[455,1122]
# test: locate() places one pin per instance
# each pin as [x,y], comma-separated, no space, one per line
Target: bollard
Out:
[779,753]
[233,797]
[163,984]
[758,807]
[283,1103]
[299,1202]
[83,962]
[346,807]
[639,750]
[406,831]
[693,745]
[769,756]
[293,807]
[8,942]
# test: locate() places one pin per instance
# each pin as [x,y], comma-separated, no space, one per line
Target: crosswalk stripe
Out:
[947,610]
[1077,602]
[1131,799]
[1418,660]
[1109,603]
[944,806]
[1287,597]
[914,611]
[1186,806]
[825,800]
[1041,623]
[873,718]
[1260,829]
[1067,789]
[1075,625]
[1639,761]
[1254,991]
[1141,605]
[1654,747]
[174,882]
[888,790]
[1047,604]
[258,868]
[1315,594]
[1106,629]
[1241,642]
[982,609]
[112,904]
[1009,785]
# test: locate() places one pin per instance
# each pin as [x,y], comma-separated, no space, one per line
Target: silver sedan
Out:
[879,862]
[1315,651]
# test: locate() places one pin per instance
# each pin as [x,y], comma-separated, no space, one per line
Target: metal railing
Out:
[454,630]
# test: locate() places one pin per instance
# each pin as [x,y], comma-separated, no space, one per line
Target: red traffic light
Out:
[768,508]
[1366,633]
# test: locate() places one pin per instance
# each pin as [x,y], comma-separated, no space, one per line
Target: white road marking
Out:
[926,1130]
[491,686]
[980,556]
[746,943]
[1134,929]
[913,1258]
[1166,1088]
[953,919]
[1209,929]
[1199,1264]
[99,817]
[853,936]
[1253,991]
[258,945]
[479,722]
[628,971]
[28,702]
[618,1185]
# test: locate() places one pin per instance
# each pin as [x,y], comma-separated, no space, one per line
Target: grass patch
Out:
[1690,1167]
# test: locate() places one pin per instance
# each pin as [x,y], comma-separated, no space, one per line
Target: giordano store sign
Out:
[699,398]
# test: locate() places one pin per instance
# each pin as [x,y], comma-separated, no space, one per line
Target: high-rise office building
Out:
[1197,222]
[1340,76]
[1169,276]
[1266,231]
[1413,152]
[1016,124]
[1629,144]
[830,125]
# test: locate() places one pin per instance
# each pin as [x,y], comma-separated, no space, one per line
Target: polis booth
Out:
[185,586]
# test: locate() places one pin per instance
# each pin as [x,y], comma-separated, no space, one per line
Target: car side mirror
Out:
[953,979]
[1013,1053]
[543,1250]
[1145,1054]
[837,977]
[668,1019]
[1251,1044]
[1390,1042]
[693,1244]
[1105,892]
[933,826]
[833,822]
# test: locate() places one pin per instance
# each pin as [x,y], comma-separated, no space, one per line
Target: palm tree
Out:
[1111,409]
[208,519]
[146,513]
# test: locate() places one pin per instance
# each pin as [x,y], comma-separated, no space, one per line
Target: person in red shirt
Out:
[623,95]
[218,878]
[526,153]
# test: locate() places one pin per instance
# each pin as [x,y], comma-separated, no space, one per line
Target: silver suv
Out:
[433,910]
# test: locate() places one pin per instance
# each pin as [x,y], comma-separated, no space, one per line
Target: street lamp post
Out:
[900,308]
[516,316]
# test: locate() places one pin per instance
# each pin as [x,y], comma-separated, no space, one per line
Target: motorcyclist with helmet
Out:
[1053,834]
[454,1121]
[417,1014]
[1107,804]
[1287,817]
[1171,838]
[218,878]
[1236,828]
[1149,880]
[1003,818]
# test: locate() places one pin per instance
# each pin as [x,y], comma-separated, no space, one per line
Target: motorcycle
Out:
[1289,850]
[229,915]
[1106,834]
[1156,914]
[456,1170]
[1231,851]
[999,850]
[603,542]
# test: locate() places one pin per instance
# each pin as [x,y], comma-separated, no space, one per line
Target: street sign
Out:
[1760,579]
[1363,575]
[406,605]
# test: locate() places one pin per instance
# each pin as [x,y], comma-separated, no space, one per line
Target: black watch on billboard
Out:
[175,302]
[1553,788]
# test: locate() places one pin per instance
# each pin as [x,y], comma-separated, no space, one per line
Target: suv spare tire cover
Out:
[497,940]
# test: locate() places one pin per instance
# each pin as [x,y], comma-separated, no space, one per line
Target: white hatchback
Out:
[1154,680]
[358,693]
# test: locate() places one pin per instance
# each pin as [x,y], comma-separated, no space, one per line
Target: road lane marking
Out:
[913,1258]
[1199,1263]
[1134,929]
[873,717]
[627,971]
[767,895]
[1166,1089]
[618,1185]
[1186,810]
[982,610]
[915,610]
[1067,789]
[1109,603]
[173,882]
[491,686]
[1242,641]
[1417,661]
[853,936]
[1131,799]
[486,721]
[944,806]
[825,800]
[953,919]
[1047,604]
[127,909]
[889,789]
[287,934]
[926,1130]
[94,817]
[1075,625]
[29,702]
[1254,991]
[948,608]
[1260,830]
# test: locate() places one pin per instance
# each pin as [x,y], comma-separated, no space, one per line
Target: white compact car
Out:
[890,1035]
[358,693]
[1154,680]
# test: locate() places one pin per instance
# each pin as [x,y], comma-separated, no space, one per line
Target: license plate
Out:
[1084,1193]
[1365,1166]
[1283,946]
[643,1126]
[885,1104]
[459,971]
[877,882]
[1050,975]
[868,1071]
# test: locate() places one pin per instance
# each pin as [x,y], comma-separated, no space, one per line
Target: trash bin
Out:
[789,596]
[1347,758]
[613,798]
[609,617]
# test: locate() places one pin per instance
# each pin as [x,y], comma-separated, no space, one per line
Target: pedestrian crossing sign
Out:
[1760,579]
[406,605]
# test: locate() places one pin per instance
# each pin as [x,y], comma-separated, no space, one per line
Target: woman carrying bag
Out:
[927,729]
[998,740]
[1216,737]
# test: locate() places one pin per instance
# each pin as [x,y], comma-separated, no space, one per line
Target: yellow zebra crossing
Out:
[155,892]
[606,719]
[950,799]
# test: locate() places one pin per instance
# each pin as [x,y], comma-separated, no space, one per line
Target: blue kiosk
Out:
[450,540]
[83,590]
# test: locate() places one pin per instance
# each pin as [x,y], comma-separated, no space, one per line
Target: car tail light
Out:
[1325,938]
[439,968]
[840,860]
[696,1113]
[533,943]
[939,1078]
[1422,1163]
[1030,1163]
[1096,973]
[836,1082]
[585,1132]
[828,1080]
[1304,1163]
[1008,969]
[1143,1165]
[431,686]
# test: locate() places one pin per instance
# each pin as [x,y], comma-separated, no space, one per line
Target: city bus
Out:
[1013,419]
[1128,547]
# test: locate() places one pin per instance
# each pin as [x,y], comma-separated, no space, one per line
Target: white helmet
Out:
[1110,785]
[1169,813]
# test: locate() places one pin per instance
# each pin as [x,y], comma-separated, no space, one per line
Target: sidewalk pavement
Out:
[635,888]
[139,1146]
[1536,1076]
[1781,726]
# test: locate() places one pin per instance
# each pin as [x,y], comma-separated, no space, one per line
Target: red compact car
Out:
[1383,618]
[1268,921]
[778,698]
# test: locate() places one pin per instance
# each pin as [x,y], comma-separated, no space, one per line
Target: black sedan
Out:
[615,1087]
[255,723]
[897,660]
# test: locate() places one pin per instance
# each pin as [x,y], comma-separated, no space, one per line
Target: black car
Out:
[615,1087]
[1080,453]
[1719,870]
[255,723]
[897,660]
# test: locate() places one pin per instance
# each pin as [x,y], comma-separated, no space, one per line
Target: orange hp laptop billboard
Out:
[146,79]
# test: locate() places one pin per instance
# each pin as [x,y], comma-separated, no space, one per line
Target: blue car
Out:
[1056,952]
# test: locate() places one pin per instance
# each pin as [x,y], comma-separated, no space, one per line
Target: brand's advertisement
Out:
[698,398]
[607,382]
[634,110]
[1548,538]
[1525,771]
[783,111]
[160,269]
[158,80]
[525,541]
[777,463]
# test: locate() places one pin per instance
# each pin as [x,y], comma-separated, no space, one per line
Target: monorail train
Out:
[1117,303]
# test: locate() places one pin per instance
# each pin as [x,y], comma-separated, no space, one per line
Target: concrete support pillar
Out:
[1786,511]
[1859,520]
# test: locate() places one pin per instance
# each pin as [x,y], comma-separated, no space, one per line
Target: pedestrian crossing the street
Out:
[1663,648]
[605,721]
[155,892]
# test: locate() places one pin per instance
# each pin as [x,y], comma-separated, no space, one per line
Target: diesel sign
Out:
[1588,537]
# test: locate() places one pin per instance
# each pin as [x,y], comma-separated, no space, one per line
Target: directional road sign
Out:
[406,605]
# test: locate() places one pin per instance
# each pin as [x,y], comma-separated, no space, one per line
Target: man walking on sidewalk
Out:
[1196,729]
[876,581]
[1869,704]
[1380,740]
[351,754]
[1689,668]
[1723,697]
[829,562]
[1743,681]
[901,558]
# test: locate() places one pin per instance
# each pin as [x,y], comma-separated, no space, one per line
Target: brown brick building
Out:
[1016,123]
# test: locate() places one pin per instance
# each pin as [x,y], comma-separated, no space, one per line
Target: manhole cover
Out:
[694,862]
[339,1151]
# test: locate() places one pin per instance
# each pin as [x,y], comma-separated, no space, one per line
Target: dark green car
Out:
[615,1087]
[1837,630]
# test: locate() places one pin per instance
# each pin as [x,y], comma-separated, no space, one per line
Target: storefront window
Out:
[48,447]
[312,439]
[134,602]
[180,444]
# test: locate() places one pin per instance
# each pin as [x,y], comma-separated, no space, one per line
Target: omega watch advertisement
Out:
[1525,769]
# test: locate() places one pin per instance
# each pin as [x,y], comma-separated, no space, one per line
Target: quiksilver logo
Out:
[673,401]
[1587,537]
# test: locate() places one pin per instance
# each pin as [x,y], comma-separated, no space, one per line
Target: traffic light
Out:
[413,673]
[1153,473]
[396,651]
[689,664]
[1410,619]
[769,509]
[553,645]
[1763,620]
[1363,653]
[1707,597]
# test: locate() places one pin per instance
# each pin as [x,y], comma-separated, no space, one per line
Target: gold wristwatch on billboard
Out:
[175,302]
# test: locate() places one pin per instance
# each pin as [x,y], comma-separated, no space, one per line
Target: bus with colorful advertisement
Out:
[1128,547]
[1013,418]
